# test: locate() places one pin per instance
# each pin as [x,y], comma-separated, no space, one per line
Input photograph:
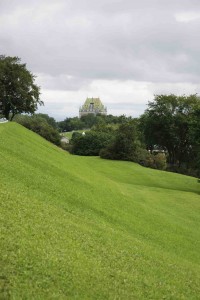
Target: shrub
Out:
[107,153]
[40,125]
[90,144]
[65,146]
[157,161]
[160,161]
[125,145]
[145,158]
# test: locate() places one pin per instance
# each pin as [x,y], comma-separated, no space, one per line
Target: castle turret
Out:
[92,106]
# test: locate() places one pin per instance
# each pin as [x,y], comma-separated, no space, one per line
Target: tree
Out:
[166,124]
[126,144]
[18,92]
[70,124]
[89,144]
[39,124]
[50,120]
[89,120]
[194,131]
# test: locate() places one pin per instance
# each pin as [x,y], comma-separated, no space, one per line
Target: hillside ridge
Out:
[87,228]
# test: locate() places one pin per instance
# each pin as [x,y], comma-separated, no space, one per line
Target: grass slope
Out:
[85,228]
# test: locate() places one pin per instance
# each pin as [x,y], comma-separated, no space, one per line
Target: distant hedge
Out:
[40,125]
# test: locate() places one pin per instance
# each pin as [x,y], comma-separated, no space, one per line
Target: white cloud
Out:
[120,97]
[186,17]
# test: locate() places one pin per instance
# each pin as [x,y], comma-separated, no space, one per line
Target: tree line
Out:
[88,121]
[166,136]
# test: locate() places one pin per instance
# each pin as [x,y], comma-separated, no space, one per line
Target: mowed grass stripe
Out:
[86,228]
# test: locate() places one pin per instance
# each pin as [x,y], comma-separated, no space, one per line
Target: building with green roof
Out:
[92,106]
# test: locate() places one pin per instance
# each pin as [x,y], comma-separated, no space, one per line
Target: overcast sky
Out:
[123,51]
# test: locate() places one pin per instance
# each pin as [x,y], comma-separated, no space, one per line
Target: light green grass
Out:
[68,134]
[85,228]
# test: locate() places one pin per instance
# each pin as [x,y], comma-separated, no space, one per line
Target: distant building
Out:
[92,106]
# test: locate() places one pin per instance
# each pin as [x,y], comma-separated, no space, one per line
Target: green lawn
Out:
[68,134]
[85,228]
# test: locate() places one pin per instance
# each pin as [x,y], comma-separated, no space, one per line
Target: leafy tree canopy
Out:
[125,144]
[39,124]
[167,122]
[18,92]
[91,121]
[50,120]
[89,144]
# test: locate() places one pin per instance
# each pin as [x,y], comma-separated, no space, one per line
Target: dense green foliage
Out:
[115,141]
[126,145]
[50,120]
[88,121]
[172,123]
[194,136]
[89,144]
[70,124]
[166,136]
[41,124]
[86,228]
[18,92]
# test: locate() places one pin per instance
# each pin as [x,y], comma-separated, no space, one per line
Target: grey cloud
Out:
[136,40]
[107,39]
[61,82]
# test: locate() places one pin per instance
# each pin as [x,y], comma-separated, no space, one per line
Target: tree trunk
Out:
[12,116]
[6,111]
[6,114]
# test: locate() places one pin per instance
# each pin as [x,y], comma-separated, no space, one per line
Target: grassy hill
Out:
[85,228]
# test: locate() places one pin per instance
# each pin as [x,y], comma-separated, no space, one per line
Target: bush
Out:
[89,144]
[107,153]
[145,158]
[125,145]
[154,161]
[65,146]
[160,161]
[39,125]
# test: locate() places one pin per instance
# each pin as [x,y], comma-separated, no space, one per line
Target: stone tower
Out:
[92,106]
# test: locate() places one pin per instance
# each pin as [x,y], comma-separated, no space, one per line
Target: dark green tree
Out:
[166,124]
[18,92]
[194,134]
[89,144]
[89,120]
[50,120]
[39,124]
[70,124]
[125,145]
